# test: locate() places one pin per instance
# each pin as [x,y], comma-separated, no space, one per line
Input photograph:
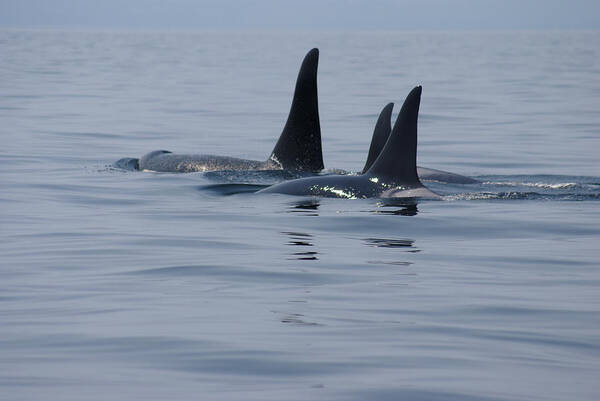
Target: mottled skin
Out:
[165,161]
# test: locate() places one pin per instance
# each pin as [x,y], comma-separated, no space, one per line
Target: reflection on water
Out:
[297,318]
[391,243]
[299,239]
[305,255]
[306,207]
[406,244]
[303,240]
[393,263]
[398,208]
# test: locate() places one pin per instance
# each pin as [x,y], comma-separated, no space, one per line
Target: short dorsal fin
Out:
[380,135]
[397,162]
[299,146]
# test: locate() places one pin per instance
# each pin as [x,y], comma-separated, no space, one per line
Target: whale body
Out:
[381,133]
[392,174]
[298,147]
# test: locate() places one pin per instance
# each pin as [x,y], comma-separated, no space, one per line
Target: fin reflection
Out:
[307,207]
[397,208]
[303,240]
[406,245]
[391,243]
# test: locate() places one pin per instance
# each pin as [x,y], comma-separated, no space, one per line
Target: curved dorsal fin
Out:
[397,161]
[299,146]
[380,135]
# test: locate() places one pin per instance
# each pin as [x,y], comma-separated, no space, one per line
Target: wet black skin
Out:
[392,174]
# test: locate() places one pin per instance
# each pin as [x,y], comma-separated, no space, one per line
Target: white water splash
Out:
[562,185]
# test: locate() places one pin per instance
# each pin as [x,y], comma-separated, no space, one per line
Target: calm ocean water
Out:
[136,285]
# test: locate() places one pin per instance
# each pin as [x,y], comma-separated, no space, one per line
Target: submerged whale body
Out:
[392,174]
[298,147]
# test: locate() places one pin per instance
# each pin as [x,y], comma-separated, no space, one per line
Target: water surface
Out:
[134,285]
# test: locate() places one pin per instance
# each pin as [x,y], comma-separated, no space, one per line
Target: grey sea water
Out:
[134,285]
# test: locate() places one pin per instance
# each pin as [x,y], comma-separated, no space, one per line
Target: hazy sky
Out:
[302,14]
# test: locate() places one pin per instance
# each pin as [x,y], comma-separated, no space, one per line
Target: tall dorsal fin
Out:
[299,146]
[380,135]
[397,162]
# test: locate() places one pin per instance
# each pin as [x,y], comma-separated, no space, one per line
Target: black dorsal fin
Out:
[397,162]
[299,146]
[380,135]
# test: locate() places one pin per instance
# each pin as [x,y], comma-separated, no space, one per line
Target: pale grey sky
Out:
[302,14]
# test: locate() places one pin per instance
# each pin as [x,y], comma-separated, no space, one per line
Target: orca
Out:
[393,173]
[298,148]
[382,131]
